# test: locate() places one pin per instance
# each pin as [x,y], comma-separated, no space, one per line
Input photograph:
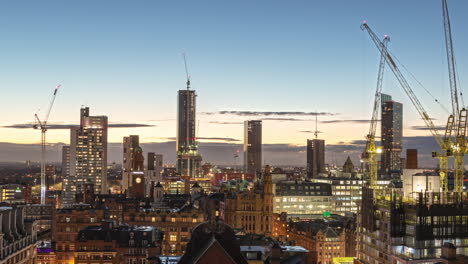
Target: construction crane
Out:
[42,125]
[458,148]
[371,151]
[442,156]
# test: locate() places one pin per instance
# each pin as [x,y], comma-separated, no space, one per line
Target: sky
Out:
[123,59]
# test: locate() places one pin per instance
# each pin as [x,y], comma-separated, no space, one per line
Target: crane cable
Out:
[420,84]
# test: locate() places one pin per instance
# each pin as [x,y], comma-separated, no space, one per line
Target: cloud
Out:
[440,128]
[356,121]
[226,139]
[261,113]
[309,132]
[68,126]
[225,123]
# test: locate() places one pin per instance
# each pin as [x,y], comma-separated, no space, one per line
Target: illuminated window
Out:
[67,219]
[173,238]
[194,220]
[173,219]
[153,219]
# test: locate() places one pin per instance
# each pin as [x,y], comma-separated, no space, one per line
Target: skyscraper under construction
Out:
[188,158]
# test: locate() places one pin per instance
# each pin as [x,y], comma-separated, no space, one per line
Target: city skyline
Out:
[159,74]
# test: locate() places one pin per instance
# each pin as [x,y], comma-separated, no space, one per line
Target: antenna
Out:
[316,126]
[186,70]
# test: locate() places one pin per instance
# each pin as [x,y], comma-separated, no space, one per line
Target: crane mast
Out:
[458,148]
[371,148]
[442,156]
[42,125]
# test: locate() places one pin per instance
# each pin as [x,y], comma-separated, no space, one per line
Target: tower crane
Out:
[371,151]
[442,142]
[458,148]
[42,125]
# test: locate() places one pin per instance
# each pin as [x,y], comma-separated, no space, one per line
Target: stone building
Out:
[18,236]
[252,210]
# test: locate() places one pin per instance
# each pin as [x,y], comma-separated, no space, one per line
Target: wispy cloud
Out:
[225,139]
[356,121]
[441,128]
[225,123]
[309,131]
[267,113]
[68,126]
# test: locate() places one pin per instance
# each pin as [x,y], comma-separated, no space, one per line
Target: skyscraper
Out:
[411,159]
[392,134]
[88,155]
[130,145]
[253,146]
[188,158]
[315,157]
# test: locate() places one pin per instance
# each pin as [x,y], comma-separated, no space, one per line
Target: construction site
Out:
[398,227]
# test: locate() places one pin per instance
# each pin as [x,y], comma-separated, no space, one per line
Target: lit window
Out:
[173,238]
[67,219]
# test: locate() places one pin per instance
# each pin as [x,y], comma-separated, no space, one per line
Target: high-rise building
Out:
[315,157]
[253,146]
[130,145]
[153,171]
[411,158]
[65,161]
[188,158]
[88,156]
[392,134]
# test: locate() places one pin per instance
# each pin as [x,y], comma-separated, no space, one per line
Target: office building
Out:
[12,193]
[131,152]
[153,170]
[392,134]
[50,173]
[88,156]
[188,158]
[303,199]
[315,157]
[253,146]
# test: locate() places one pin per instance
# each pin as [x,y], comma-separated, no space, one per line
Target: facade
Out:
[118,244]
[12,193]
[188,158]
[130,146]
[418,180]
[153,171]
[88,156]
[315,157]
[347,195]
[252,210]
[392,134]
[322,242]
[175,224]
[410,229]
[302,199]
[280,226]
[18,237]
[253,146]
[51,174]
[411,159]
[66,224]
[65,161]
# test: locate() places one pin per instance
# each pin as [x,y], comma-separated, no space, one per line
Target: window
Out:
[194,220]
[153,219]
[173,238]
[67,219]
[92,220]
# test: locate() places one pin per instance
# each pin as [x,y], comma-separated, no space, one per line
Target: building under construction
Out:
[394,228]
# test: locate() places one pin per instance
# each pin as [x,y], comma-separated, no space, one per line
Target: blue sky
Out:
[123,59]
